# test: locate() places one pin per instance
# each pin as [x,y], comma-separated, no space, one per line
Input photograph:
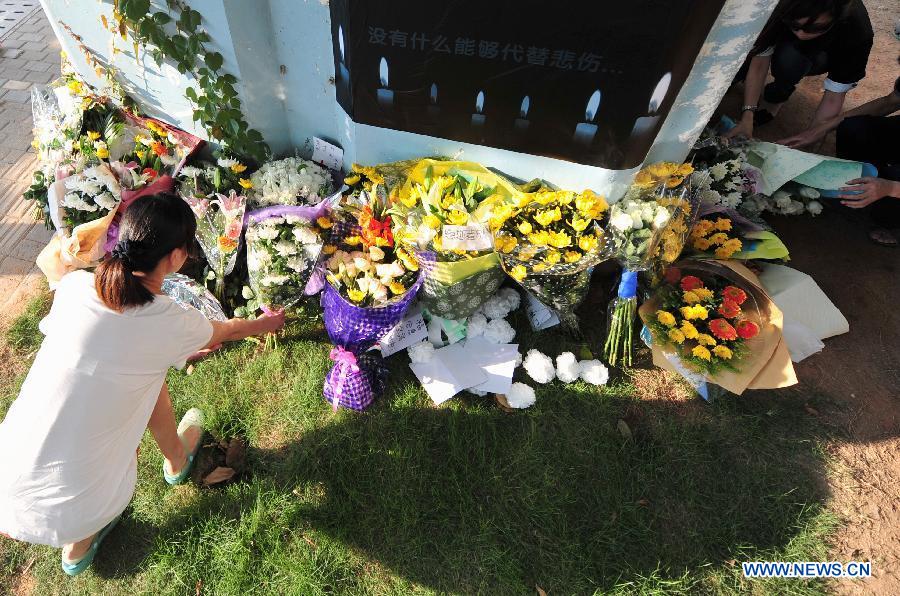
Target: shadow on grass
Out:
[475,500]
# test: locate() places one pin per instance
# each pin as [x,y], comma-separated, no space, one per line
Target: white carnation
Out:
[499,331]
[814,208]
[809,193]
[421,352]
[539,366]
[512,297]
[495,307]
[782,199]
[567,369]
[593,372]
[477,392]
[475,325]
[520,396]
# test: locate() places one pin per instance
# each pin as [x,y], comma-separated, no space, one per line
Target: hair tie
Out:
[120,251]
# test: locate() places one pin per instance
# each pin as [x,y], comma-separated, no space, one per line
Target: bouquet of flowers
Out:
[219,224]
[714,319]
[289,181]
[82,215]
[549,241]
[649,227]
[725,234]
[283,246]
[370,284]
[190,294]
[442,214]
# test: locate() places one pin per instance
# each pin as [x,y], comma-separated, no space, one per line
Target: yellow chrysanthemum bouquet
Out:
[442,214]
[547,242]
[723,233]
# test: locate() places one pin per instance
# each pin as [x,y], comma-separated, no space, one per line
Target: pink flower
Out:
[233,229]
[233,204]
[198,206]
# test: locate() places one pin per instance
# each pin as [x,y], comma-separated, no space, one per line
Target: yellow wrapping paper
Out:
[767,366]
[81,249]
[448,273]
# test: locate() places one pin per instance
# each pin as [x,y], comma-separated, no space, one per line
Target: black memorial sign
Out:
[589,82]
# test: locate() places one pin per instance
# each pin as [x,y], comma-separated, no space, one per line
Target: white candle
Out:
[644,130]
[478,117]
[587,130]
[343,74]
[521,124]
[433,109]
[385,95]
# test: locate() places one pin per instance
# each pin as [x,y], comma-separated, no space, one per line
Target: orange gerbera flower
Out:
[747,329]
[729,309]
[159,148]
[722,329]
[690,282]
[736,295]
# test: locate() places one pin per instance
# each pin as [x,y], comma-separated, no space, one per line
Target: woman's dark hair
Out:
[151,228]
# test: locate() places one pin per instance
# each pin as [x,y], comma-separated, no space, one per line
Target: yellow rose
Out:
[246,184]
[702,353]
[518,272]
[560,239]
[723,352]
[676,335]
[665,318]
[525,227]
[587,243]
[432,221]
[572,256]
[552,257]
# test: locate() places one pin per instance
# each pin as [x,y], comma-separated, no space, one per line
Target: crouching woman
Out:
[98,381]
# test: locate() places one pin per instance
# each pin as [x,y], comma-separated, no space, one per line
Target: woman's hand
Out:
[271,322]
[744,128]
[805,138]
[865,191]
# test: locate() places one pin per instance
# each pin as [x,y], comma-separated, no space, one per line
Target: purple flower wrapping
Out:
[351,383]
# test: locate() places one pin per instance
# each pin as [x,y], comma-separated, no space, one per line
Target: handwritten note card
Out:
[410,330]
[330,156]
[539,315]
[471,237]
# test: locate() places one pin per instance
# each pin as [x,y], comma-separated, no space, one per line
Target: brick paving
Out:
[29,56]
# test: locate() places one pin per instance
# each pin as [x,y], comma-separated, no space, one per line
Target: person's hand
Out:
[865,191]
[744,128]
[201,354]
[807,137]
[271,322]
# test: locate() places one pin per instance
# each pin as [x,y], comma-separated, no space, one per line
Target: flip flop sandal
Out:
[762,117]
[883,237]
[192,417]
[73,568]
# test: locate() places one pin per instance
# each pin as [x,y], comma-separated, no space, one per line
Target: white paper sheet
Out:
[330,156]
[498,361]
[449,371]
[539,315]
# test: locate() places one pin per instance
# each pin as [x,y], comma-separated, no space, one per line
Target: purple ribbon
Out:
[345,361]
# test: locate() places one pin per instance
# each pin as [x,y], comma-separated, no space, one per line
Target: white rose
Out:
[809,193]
[380,292]
[661,219]
[362,264]
[621,221]
[376,253]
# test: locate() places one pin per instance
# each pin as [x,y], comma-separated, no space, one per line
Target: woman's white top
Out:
[68,442]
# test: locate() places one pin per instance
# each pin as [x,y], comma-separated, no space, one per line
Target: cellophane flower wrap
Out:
[283,246]
[442,214]
[706,319]
[370,283]
[188,293]
[548,241]
[649,227]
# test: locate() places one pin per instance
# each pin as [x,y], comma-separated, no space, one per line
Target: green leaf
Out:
[136,9]
[161,18]
[214,60]
[191,94]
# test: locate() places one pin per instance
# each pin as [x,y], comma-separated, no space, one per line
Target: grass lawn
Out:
[465,498]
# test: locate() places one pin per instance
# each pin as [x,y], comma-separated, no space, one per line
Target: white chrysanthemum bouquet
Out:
[290,181]
[89,196]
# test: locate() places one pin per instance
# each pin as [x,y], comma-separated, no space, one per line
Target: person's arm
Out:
[237,329]
[881,106]
[753,86]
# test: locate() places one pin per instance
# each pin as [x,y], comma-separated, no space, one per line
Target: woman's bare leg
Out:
[164,429]
[75,551]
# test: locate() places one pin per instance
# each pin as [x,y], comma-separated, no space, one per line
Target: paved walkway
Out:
[29,56]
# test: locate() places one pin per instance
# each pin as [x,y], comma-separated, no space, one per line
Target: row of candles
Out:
[584,131]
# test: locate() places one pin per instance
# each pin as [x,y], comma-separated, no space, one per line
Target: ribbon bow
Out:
[345,361]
